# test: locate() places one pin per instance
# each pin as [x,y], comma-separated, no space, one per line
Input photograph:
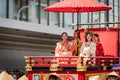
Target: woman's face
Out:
[52,79]
[112,78]
[64,37]
[88,37]
[95,39]
[75,35]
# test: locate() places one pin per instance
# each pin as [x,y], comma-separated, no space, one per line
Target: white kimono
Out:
[63,50]
[88,50]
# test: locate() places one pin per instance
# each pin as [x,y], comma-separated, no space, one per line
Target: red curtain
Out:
[80,77]
[108,38]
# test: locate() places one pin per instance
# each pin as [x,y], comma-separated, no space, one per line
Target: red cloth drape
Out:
[80,77]
[108,38]
[30,76]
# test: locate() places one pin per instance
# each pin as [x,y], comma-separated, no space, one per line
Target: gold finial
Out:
[107,28]
[74,24]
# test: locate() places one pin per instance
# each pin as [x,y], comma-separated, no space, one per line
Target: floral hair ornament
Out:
[88,32]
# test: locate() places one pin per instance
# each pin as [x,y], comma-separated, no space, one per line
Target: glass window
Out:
[43,13]
[95,19]
[84,19]
[3,8]
[53,15]
[68,22]
[13,8]
[111,12]
[116,11]
[16,6]
[36,13]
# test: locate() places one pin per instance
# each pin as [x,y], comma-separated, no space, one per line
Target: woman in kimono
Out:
[76,43]
[63,47]
[88,48]
[99,49]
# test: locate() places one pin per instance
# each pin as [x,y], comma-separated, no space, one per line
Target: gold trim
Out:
[111,64]
[32,61]
[102,60]
[102,64]
[104,67]
[73,24]
[111,60]
[27,61]
[28,69]
[93,64]
[81,68]
[32,64]
[53,67]
[26,57]
[28,65]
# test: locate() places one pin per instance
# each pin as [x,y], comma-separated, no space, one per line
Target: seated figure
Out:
[63,49]
[88,48]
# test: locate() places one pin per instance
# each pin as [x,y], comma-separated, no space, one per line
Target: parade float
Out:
[74,67]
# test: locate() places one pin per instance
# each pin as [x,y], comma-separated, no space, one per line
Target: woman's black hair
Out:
[91,34]
[53,77]
[97,36]
[64,33]
[78,33]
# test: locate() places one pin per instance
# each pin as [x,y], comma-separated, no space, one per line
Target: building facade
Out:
[35,13]
[25,26]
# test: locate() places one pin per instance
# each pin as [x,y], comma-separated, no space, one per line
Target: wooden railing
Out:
[74,61]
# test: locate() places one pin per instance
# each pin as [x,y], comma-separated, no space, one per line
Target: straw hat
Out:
[5,76]
[10,78]
[55,74]
[113,74]
[95,77]
[24,77]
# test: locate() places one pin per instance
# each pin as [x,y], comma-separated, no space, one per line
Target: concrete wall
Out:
[14,59]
